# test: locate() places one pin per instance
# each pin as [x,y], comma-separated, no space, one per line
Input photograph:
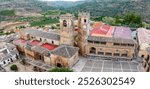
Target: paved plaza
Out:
[88,65]
[21,68]
[92,65]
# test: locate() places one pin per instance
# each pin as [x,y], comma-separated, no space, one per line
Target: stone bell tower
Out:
[66,29]
[83,32]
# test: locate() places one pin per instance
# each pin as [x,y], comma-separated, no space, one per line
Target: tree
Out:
[8,12]
[53,27]
[132,20]
[14,67]
[56,69]
[108,20]
[118,20]
[23,61]
[98,18]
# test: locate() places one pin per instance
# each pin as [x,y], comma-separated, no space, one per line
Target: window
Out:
[134,38]
[93,50]
[116,44]
[103,43]
[124,55]
[147,58]
[117,50]
[108,54]
[11,60]
[4,62]
[17,56]
[123,44]
[101,53]
[90,41]
[40,39]
[96,42]
[85,20]
[65,23]
[116,54]
[131,45]
[52,42]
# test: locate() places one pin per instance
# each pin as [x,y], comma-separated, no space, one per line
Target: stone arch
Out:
[59,62]
[65,23]
[93,50]
[124,53]
[85,20]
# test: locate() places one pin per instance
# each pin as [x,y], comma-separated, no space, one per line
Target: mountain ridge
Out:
[95,7]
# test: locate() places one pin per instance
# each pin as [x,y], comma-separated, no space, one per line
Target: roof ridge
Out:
[67,51]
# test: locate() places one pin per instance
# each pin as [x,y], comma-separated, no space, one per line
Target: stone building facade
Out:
[107,43]
[143,36]
[83,32]
[146,61]
[67,29]
[8,53]
[91,41]
[111,48]
[51,48]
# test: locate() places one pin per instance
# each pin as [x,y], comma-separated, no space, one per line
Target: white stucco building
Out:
[8,53]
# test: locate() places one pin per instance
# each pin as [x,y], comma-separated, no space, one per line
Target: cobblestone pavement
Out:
[101,65]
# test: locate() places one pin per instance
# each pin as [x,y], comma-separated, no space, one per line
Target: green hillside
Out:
[114,7]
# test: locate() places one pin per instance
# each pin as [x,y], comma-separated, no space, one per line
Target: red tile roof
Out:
[35,42]
[101,30]
[107,27]
[49,46]
[97,24]
[21,40]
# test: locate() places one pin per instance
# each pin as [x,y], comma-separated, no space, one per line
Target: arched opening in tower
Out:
[65,23]
[59,65]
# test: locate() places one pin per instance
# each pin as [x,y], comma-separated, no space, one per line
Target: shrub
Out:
[23,61]
[14,67]
[56,69]
[8,12]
